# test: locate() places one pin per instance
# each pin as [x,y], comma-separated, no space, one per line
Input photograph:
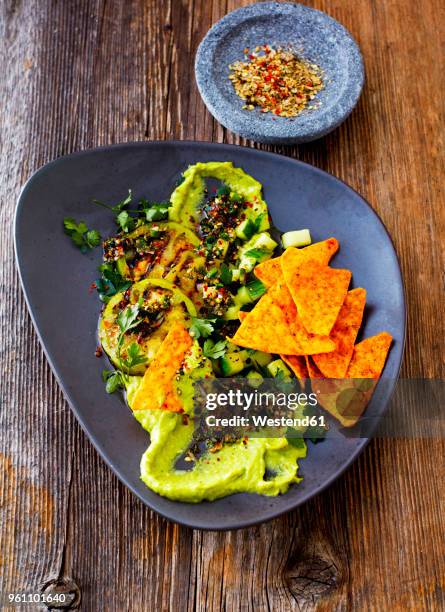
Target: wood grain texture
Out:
[90,72]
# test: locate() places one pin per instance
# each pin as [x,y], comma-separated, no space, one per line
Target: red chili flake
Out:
[92,287]
[99,351]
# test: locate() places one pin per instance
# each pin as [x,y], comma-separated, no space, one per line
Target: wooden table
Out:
[81,73]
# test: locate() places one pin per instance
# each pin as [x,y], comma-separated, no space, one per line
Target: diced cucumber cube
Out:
[261,359]
[276,366]
[233,363]
[243,296]
[255,379]
[232,313]
[296,238]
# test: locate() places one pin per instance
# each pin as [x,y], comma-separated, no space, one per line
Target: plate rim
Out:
[195,144]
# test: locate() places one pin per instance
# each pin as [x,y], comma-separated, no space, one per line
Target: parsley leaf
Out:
[134,357]
[258,221]
[214,350]
[225,275]
[252,226]
[201,327]
[123,203]
[128,318]
[113,380]
[79,233]
[116,208]
[294,438]
[111,282]
[125,221]
[223,190]
[92,238]
[154,211]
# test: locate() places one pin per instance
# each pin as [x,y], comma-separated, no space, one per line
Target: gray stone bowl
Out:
[323,41]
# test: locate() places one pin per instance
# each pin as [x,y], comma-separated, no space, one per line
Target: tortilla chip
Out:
[343,399]
[312,369]
[266,327]
[322,252]
[309,344]
[297,364]
[156,390]
[273,326]
[344,333]
[269,272]
[318,292]
[368,359]
[306,344]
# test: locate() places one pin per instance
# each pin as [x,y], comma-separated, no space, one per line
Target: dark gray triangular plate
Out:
[56,277]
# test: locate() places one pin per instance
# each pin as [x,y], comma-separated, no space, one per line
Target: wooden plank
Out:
[85,73]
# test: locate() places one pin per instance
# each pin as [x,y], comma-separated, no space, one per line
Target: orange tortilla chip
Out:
[297,364]
[156,390]
[273,326]
[266,327]
[318,292]
[343,399]
[344,333]
[269,272]
[309,344]
[306,344]
[312,369]
[322,252]
[368,359]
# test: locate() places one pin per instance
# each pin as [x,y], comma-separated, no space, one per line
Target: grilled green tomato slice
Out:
[160,304]
[158,250]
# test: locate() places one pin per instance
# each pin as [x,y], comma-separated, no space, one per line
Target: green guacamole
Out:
[196,267]
[235,468]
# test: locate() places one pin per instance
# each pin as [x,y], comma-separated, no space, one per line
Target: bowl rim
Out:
[295,131]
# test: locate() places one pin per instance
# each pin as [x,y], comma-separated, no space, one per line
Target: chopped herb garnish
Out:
[111,282]
[153,211]
[296,441]
[150,211]
[225,275]
[134,357]
[79,233]
[116,208]
[113,379]
[201,327]
[128,318]
[125,221]
[255,253]
[224,190]
[253,226]
[256,289]
[214,350]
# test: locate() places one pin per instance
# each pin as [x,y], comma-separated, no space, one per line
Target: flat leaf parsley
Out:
[79,233]
[214,350]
